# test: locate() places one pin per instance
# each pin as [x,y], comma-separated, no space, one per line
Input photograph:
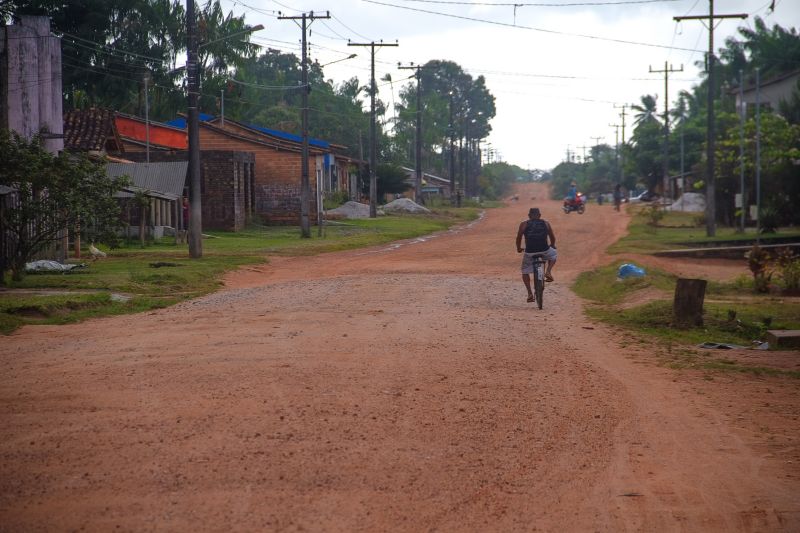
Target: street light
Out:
[351,56]
[248,30]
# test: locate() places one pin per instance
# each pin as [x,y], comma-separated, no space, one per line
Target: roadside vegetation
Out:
[133,279]
[675,230]
[737,312]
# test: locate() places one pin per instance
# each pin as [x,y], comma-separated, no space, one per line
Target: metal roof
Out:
[181,123]
[164,178]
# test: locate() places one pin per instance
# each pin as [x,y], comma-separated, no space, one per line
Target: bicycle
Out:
[538,277]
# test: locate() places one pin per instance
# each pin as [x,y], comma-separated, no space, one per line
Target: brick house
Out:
[278,159]
[226,184]
[135,131]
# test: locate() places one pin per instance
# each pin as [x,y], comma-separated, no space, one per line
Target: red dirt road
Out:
[391,389]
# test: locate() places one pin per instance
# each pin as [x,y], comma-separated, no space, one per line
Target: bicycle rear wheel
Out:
[538,285]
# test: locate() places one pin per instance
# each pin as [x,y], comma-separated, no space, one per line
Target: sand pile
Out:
[691,202]
[350,209]
[405,205]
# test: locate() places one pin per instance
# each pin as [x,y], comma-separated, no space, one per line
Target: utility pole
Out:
[193,125]
[742,114]
[616,149]
[147,116]
[622,154]
[711,211]
[667,183]
[583,152]
[373,140]
[305,189]
[758,156]
[451,155]
[418,149]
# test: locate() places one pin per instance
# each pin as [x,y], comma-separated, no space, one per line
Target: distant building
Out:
[432,185]
[275,194]
[771,91]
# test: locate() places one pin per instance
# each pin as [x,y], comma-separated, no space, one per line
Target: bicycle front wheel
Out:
[538,285]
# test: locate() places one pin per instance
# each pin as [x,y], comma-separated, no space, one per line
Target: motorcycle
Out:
[578,204]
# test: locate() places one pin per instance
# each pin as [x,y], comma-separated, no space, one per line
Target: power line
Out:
[530,4]
[530,28]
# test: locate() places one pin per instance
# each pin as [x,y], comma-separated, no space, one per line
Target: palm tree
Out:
[646,112]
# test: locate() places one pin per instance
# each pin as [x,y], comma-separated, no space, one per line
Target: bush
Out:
[758,261]
[654,214]
[789,265]
[770,219]
[332,200]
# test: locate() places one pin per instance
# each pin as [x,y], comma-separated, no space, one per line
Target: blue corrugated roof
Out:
[181,123]
[289,136]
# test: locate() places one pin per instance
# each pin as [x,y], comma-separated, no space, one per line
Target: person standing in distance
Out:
[537,232]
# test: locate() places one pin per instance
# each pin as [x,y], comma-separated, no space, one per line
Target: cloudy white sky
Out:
[557,71]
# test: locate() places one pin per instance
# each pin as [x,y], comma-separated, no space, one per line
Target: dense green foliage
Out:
[53,194]
[111,46]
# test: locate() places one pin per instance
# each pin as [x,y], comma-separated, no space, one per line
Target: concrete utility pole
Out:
[667,183]
[616,151]
[711,211]
[742,117]
[621,154]
[418,149]
[373,136]
[193,127]
[451,154]
[305,189]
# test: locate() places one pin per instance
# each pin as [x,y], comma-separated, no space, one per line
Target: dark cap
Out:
[534,211]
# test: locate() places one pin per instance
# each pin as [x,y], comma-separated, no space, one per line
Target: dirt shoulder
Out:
[397,388]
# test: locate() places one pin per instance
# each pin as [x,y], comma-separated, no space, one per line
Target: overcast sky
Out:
[556,72]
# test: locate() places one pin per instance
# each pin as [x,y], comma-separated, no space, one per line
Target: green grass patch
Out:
[18,310]
[161,273]
[679,230]
[750,322]
[733,314]
[602,285]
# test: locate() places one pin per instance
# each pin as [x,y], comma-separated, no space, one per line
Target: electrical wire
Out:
[531,4]
[530,28]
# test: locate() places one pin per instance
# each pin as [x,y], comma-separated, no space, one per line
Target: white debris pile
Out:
[350,210]
[44,265]
[405,205]
[691,202]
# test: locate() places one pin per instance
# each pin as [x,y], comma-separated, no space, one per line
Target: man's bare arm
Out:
[520,232]
[551,234]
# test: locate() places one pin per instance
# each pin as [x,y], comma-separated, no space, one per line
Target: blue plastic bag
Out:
[629,270]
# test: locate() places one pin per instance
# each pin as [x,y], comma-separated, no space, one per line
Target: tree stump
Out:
[687,308]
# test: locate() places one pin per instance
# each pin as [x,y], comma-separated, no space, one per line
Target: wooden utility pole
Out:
[418,143]
[711,211]
[373,136]
[666,183]
[622,154]
[305,189]
[193,127]
[616,151]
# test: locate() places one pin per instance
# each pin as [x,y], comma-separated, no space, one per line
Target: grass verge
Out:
[679,230]
[733,314]
[161,273]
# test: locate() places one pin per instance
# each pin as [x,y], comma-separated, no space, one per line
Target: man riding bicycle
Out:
[536,232]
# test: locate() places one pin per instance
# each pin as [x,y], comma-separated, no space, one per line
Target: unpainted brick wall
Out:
[223,175]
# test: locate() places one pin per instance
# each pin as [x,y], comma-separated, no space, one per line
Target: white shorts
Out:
[527,259]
